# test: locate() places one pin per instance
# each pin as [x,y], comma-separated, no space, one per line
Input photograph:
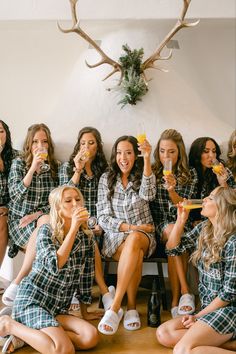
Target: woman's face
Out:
[3,135]
[208,154]
[168,150]
[88,142]
[70,201]
[40,140]
[209,208]
[125,157]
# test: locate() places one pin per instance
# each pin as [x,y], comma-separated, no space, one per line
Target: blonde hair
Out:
[181,168]
[56,219]
[231,154]
[27,153]
[212,239]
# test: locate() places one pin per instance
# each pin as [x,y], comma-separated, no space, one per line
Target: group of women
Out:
[136,208]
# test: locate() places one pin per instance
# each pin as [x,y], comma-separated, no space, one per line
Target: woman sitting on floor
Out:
[213,247]
[64,262]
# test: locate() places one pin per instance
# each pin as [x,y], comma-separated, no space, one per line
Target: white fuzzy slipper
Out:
[186,300]
[132,317]
[9,295]
[111,319]
[107,299]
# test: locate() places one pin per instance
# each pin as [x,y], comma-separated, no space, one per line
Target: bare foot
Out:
[4,325]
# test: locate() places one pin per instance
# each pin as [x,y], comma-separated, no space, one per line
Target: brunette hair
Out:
[181,169]
[7,152]
[114,170]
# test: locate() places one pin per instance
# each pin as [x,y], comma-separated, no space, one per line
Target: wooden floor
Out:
[125,342]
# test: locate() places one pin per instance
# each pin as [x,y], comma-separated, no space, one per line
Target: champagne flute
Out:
[43,152]
[190,204]
[92,222]
[141,135]
[167,170]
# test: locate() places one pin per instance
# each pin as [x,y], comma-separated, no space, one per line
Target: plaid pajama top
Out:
[163,211]
[88,186]
[26,200]
[219,280]
[47,291]
[125,206]
[4,194]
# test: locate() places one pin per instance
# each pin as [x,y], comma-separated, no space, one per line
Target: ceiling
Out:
[114,9]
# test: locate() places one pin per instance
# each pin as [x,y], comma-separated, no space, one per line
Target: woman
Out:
[180,183]
[7,153]
[123,211]
[64,261]
[29,189]
[83,170]
[231,154]
[213,247]
[203,152]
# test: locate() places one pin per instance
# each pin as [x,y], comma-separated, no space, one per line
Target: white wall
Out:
[44,79]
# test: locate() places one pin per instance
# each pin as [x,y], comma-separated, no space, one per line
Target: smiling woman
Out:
[123,210]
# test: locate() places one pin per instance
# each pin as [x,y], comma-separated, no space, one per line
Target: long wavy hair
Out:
[231,154]
[27,147]
[56,220]
[114,170]
[208,176]
[7,152]
[99,163]
[181,168]
[212,239]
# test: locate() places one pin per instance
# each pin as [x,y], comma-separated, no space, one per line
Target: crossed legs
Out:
[199,338]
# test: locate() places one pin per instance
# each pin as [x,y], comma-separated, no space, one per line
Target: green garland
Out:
[133,85]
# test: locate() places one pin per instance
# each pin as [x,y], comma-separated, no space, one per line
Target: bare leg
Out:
[201,338]
[3,237]
[77,334]
[30,251]
[99,272]
[177,270]
[128,254]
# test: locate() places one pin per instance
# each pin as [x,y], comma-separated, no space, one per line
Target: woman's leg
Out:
[3,237]
[99,272]
[51,340]
[201,338]
[81,333]
[169,333]
[30,252]
[177,272]
[129,255]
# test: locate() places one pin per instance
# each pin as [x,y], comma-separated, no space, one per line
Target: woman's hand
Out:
[145,149]
[188,320]
[81,158]
[79,217]
[37,160]
[97,230]
[143,227]
[170,182]
[3,211]
[222,176]
[182,213]
[27,219]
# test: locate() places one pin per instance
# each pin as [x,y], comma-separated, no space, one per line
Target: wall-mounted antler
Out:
[104,58]
[132,70]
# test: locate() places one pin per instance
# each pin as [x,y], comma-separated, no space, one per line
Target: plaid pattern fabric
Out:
[163,211]
[4,194]
[218,280]
[87,185]
[26,200]
[47,291]
[126,206]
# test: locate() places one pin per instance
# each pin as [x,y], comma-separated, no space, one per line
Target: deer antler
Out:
[149,63]
[104,58]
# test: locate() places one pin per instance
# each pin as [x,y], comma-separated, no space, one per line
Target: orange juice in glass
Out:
[192,204]
[216,166]
[43,153]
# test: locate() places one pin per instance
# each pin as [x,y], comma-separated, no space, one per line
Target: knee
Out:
[164,336]
[90,339]
[180,348]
